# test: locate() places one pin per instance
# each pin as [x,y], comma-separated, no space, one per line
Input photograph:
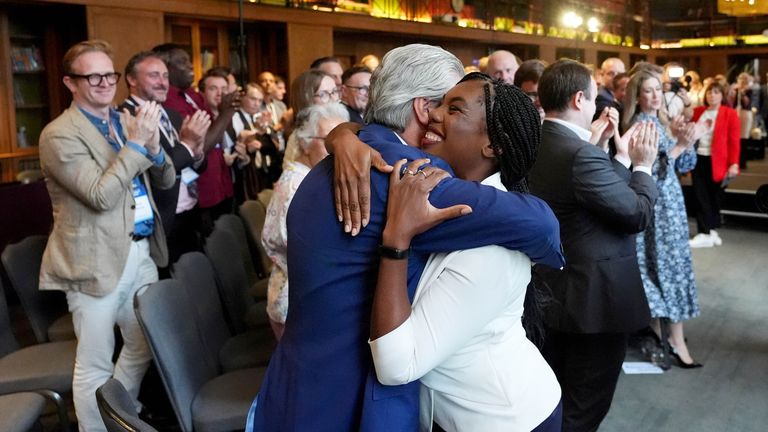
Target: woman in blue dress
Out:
[662,250]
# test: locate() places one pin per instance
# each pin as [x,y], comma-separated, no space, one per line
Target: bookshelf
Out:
[32,42]
[206,42]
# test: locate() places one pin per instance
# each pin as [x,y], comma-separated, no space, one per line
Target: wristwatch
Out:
[393,253]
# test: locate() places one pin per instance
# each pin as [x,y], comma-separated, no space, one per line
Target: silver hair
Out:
[406,73]
[309,118]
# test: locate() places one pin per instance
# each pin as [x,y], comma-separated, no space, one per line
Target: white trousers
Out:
[94,319]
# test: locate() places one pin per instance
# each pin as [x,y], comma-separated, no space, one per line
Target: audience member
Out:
[676,100]
[332,273]
[695,88]
[460,328]
[747,98]
[663,253]
[600,204]
[313,87]
[184,100]
[330,66]
[147,78]
[370,61]
[527,79]
[250,130]
[315,122]
[606,96]
[107,238]
[502,65]
[620,82]
[354,91]
[215,185]
[717,162]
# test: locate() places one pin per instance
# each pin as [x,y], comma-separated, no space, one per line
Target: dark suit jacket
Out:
[354,116]
[321,376]
[600,205]
[166,199]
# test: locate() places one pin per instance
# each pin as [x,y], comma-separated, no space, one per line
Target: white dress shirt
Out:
[464,339]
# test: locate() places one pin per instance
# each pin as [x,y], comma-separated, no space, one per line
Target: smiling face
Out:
[91,98]
[151,80]
[458,133]
[650,95]
[180,69]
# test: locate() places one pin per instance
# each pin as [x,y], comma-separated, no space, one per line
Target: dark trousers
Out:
[587,367]
[209,215]
[708,195]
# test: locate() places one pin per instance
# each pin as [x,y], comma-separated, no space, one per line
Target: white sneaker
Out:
[701,241]
[715,238]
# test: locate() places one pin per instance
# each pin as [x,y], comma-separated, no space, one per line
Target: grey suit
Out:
[598,297]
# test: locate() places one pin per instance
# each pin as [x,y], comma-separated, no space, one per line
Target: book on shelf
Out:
[26,59]
[18,95]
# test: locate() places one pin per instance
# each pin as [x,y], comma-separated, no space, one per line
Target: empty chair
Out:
[46,310]
[117,409]
[240,310]
[203,399]
[249,349]
[265,196]
[45,368]
[20,411]
[234,225]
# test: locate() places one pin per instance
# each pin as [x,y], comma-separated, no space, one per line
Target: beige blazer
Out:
[92,198]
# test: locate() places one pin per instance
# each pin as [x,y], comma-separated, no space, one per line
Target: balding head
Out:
[502,65]
[610,68]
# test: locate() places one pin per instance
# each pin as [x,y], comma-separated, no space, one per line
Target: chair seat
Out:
[247,350]
[33,368]
[222,404]
[62,329]
[20,411]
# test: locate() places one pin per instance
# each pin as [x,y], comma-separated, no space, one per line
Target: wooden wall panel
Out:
[129,31]
[305,44]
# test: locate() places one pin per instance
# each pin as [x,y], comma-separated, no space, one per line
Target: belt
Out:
[137,237]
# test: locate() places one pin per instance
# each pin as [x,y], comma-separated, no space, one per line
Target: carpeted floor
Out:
[730,393]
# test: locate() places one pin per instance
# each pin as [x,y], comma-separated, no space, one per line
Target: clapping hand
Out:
[193,130]
[604,127]
[644,145]
[142,128]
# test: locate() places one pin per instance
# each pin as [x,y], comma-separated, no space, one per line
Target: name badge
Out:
[143,211]
[188,175]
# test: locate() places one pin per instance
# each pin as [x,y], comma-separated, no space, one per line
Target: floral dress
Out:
[662,249]
[275,238]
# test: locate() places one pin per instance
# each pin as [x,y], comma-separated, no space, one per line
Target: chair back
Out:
[265,196]
[230,277]
[254,213]
[8,342]
[167,317]
[22,264]
[234,225]
[117,410]
[195,273]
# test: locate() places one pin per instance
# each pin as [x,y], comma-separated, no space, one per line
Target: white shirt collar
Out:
[400,138]
[495,181]
[578,130]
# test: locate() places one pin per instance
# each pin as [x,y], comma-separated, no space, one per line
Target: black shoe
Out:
[680,361]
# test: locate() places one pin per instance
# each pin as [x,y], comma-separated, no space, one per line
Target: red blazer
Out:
[726,142]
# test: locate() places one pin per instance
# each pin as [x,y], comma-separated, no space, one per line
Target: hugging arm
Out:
[352,163]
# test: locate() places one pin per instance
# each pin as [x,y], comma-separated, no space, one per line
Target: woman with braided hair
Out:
[462,336]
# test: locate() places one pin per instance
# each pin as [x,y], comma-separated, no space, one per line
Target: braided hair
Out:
[514,131]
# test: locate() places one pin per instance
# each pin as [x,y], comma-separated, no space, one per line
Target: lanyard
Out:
[191,101]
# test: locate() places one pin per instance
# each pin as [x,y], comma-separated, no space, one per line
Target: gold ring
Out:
[411,172]
[423,173]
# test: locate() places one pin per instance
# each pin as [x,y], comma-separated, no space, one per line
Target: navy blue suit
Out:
[321,377]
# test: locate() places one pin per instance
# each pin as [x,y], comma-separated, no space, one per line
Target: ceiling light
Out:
[593,25]
[572,20]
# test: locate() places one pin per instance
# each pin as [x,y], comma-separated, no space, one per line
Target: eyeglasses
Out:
[362,89]
[326,96]
[95,80]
